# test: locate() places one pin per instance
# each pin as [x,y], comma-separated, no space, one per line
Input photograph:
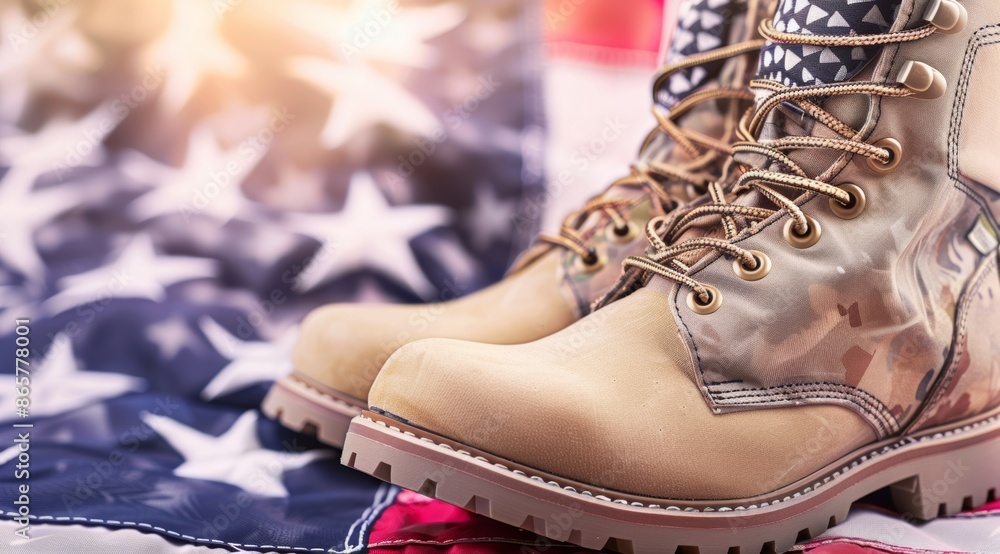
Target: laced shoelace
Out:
[700,149]
[665,262]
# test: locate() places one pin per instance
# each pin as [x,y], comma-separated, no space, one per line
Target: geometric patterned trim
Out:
[702,25]
[803,64]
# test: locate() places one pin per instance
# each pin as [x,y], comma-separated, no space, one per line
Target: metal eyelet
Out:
[622,235]
[757,273]
[895,155]
[705,308]
[924,81]
[947,15]
[853,208]
[592,262]
[801,242]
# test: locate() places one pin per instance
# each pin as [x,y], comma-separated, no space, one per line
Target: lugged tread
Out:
[534,504]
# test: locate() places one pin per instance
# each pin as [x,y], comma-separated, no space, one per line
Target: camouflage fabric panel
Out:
[587,284]
[972,383]
[864,319]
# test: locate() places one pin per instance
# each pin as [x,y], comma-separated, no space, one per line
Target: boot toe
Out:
[343,346]
[608,410]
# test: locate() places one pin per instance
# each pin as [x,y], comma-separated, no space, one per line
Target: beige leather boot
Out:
[700,97]
[831,329]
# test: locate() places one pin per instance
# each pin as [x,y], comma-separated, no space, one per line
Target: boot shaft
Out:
[703,26]
[879,314]
[723,31]
[860,313]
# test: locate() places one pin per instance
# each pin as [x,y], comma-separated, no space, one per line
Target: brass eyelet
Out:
[622,235]
[856,205]
[702,308]
[811,237]
[757,273]
[895,155]
[594,261]
[948,16]
[924,82]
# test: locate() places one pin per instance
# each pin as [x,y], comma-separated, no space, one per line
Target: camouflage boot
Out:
[830,329]
[699,98]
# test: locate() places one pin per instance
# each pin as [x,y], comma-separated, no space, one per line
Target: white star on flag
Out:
[236,457]
[22,211]
[250,362]
[138,272]
[190,50]
[362,98]
[404,43]
[367,233]
[204,185]
[169,336]
[491,217]
[58,385]
[61,144]
[42,58]
[267,244]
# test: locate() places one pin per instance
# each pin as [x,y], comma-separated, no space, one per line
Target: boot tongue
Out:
[803,64]
[702,25]
[797,65]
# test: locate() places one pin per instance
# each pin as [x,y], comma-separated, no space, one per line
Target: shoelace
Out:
[700,149]
[800,227]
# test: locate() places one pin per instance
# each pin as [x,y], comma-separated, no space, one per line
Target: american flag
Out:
[181,181]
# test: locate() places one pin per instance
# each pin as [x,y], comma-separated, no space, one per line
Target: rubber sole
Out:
[934,474]
[302,406]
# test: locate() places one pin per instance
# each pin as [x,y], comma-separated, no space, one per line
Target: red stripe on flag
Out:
[619,32]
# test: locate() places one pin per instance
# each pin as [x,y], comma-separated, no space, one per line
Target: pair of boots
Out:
[792,301]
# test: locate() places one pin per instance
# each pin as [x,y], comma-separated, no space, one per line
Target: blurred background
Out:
[181,181]
[220,128]
[228,128]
